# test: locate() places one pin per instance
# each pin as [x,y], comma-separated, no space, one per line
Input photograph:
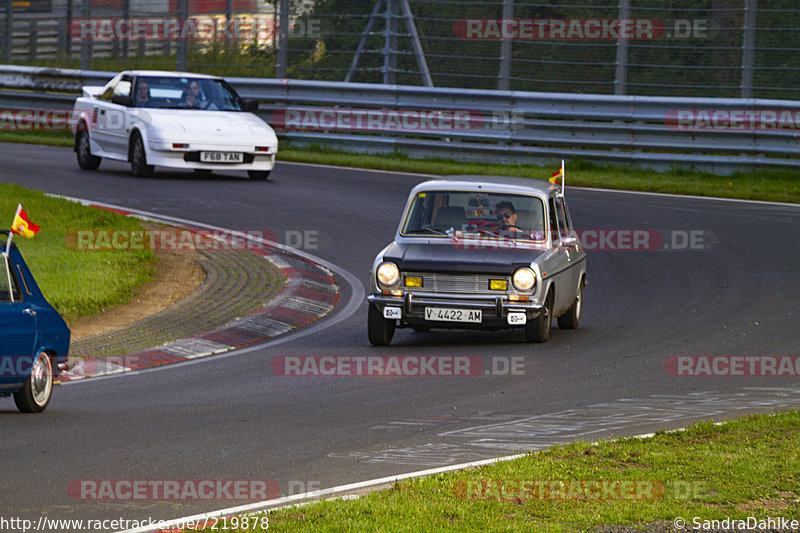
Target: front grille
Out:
[456,283]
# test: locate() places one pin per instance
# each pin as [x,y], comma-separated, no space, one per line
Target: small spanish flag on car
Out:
[22,224]
[558,174]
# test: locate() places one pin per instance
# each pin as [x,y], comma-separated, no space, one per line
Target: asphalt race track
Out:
[734,291]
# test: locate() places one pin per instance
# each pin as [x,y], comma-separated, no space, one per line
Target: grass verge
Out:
[748,467]
[76,282]
[772,185]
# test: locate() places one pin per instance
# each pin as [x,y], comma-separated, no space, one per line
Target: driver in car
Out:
[194,97]
[507,216]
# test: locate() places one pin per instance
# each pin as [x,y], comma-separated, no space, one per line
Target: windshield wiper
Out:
[427,228]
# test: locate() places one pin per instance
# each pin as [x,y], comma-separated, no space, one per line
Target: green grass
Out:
[76,282]
[772,185]
[746,467]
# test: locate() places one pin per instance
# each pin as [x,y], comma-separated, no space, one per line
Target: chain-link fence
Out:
[696,48]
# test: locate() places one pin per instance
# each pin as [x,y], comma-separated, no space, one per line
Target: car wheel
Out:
[83,149]
[258,174]
[379,329]
[34,396]
[538,329]
[139,165]
[572,317]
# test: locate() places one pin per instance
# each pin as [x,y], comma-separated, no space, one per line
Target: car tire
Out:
[34,396]
[139,166]
[538,329]
[572,317]
[260,175]
[83,149]
[380,330]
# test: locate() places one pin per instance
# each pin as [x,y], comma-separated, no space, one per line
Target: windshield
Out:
[475,214]
[186,93]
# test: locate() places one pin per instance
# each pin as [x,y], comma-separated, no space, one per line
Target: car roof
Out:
[170,74]
[504,184]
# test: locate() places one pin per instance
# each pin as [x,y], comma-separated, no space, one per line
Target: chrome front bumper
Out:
[493,306]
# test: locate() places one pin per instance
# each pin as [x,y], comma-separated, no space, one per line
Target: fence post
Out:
[283,40]
[748,47]
[622,51]
[506,49]
[33,28]
[8,29]
[126,14]
[86,43]
[68,35]
[390,43]
[180,56]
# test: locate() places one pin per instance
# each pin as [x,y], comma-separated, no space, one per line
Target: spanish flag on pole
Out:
[558,174]
[22,224]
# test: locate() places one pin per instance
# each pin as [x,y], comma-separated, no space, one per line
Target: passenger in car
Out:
[142,94]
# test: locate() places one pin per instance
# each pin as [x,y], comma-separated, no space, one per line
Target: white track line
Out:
[344,490]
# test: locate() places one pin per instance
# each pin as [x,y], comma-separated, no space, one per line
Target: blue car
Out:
[34,339]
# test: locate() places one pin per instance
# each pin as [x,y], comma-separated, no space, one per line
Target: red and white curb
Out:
[310,293]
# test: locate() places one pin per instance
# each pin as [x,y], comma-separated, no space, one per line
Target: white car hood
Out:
[198,126]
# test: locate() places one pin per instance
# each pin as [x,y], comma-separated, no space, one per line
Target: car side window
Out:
[561,216]
[8,284]
[553,224]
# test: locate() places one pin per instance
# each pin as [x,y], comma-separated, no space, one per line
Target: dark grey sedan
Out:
[481,253]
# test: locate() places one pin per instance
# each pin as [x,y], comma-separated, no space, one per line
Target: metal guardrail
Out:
[495,126]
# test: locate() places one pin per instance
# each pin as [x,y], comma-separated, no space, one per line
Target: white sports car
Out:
[172,119]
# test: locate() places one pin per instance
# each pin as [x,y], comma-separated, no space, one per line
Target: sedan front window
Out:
[471,214]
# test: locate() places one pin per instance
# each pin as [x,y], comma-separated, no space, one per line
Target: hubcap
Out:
[41,379]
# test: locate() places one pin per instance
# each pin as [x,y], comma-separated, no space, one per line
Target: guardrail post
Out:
[180,56]
[748,47]
[506,49]
[8,29]
[86,43]
[622,51]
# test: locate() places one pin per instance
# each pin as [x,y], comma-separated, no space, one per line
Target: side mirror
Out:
[251,105]
[120,99]
[569,241]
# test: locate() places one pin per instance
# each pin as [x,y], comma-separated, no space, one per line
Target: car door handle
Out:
[29,312]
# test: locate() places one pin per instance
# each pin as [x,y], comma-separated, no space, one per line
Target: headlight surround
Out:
[524,279]
[387,274]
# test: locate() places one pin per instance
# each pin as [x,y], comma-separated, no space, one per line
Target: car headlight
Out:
[388,274]
[524,279]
